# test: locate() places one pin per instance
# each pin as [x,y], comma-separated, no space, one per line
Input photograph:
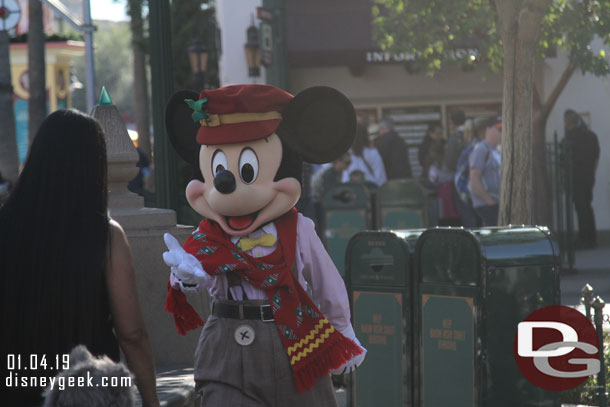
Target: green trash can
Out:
[381,289]
[474,288]
[346,209]
[402,204]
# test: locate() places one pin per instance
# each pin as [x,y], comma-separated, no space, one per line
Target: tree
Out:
[37,103]
[138,44]
[509,35]
[113,66]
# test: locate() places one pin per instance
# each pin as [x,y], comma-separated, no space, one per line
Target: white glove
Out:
[354,362]
[187,274]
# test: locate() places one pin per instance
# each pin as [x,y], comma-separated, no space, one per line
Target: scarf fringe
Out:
[185,316]
[336,354]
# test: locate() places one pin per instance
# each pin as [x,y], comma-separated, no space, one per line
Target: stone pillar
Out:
[145,228]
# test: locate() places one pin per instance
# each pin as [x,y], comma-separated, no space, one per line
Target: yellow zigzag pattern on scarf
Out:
[308,338]
[313,346]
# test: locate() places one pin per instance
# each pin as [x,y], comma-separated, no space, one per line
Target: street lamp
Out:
[198,58]
[253,52]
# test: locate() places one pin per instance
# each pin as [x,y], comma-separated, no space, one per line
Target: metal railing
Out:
[559,170]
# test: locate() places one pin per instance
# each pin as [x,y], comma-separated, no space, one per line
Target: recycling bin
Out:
[475,286]
[402,204]
[381,288]
[346,209]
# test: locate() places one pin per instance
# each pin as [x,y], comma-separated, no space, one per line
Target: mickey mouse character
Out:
[267,342]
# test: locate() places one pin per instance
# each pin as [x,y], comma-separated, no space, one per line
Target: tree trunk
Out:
[9,162]
[37,104]
[520,28]
[140,77]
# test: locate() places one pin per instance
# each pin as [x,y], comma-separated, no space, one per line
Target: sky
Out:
[108,10]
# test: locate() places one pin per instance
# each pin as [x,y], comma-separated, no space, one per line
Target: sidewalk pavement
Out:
[591,267]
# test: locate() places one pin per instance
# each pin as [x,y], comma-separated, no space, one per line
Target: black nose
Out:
[224,182]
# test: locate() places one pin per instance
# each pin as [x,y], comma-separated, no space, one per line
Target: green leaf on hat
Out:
[197,106]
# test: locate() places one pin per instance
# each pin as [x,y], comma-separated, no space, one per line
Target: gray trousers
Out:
[228,374]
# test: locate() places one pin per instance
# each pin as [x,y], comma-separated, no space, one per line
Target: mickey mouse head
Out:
[248,143]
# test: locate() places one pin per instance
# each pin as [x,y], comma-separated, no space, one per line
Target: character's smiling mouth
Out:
[241,222]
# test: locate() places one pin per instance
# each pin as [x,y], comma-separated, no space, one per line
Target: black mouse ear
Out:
[319,123]
[181,128]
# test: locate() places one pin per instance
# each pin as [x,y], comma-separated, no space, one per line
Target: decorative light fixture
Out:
[253,52]
[198,58]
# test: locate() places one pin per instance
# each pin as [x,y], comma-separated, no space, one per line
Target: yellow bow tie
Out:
[250,243]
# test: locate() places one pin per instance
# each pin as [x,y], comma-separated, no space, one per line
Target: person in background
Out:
[324,179]
[468,216]
[485,171]
[136,185]
[432,143]
[365,159]
[393,151]
[430,155]
[585,156]
[67,271]
[455,142]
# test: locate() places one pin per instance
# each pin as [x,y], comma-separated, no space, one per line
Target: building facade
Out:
[331,43]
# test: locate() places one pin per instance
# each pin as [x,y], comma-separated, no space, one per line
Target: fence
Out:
[559,171]
[590,301]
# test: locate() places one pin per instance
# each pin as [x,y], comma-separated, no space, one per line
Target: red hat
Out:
[239,113]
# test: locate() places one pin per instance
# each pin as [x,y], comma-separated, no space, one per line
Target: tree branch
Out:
[559,87]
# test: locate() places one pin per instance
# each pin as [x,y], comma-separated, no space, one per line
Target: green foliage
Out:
[586,393]
[113,67]
[438,33]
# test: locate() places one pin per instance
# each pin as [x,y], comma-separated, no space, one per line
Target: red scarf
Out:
[313,345]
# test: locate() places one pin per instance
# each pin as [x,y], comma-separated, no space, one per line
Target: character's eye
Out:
[248,166]
[219,162]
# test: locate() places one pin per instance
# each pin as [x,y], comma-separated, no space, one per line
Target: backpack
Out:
[462,173]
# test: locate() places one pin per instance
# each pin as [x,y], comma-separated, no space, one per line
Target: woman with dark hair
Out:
[66,268]
[365,159]
[432,143]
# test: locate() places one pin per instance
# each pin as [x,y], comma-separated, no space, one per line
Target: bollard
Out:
[598,305]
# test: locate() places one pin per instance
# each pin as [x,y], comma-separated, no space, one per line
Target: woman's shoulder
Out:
[115,227]
[118,238]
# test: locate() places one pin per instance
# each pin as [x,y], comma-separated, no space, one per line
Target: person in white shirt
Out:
[365,159]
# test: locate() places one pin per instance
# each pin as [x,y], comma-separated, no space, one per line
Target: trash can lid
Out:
[456,255]
[376,258]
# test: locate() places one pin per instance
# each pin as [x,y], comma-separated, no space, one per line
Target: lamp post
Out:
[253,52]
[198,58]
